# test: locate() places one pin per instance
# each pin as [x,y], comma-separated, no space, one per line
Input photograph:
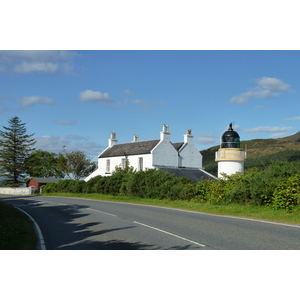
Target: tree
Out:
[43,164]
[15,148]
[76,165]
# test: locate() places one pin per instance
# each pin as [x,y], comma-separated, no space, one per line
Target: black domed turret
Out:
[230,139]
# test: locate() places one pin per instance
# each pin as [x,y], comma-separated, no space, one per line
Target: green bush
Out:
[277,185]
[287,194]
[50,187]
[257,186]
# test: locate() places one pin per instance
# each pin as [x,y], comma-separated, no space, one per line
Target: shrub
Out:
[287,194]
[50,187]
[98,184]
[278,185]
[112,184]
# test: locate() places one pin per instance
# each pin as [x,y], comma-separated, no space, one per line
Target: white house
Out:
[182,159]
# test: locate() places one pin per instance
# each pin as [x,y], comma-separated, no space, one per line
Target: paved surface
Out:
[71,223]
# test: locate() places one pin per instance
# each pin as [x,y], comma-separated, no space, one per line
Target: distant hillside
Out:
[295,137]
[260,152]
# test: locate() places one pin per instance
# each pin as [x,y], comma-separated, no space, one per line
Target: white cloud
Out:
[94,96]
[267,87]
[273,84]
[292,119]
[27,67]
[66,122]
[39,61]
[142,103]
[56,144]
[128,92]
[51,143]
[76,137]
[268,129]
[33,100]
[205,139]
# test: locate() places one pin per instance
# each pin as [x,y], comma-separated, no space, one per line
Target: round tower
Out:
[230,156]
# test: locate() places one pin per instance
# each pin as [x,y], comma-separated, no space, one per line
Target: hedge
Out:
[278,186]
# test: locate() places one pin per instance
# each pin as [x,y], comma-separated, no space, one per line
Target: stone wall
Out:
[17,190]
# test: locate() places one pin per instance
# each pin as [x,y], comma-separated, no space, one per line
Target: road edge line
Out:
[41,242]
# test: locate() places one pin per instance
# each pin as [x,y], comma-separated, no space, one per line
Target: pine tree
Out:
[15,147]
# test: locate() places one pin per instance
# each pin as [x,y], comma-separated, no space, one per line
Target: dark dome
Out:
[230,138]
[230,133]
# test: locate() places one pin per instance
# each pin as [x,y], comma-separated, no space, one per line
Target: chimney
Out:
[135,138]
[113,139]
[165,134]
[188,138]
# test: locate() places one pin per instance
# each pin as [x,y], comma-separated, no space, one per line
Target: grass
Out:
[247,211]
[16,229]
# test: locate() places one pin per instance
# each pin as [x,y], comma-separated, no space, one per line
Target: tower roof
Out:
[230,132]
[230,138]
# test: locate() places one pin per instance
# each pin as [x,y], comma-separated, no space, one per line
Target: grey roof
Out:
[45,180]
[133,148]
[193,174]
[177,146]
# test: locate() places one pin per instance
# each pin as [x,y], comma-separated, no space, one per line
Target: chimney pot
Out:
[113,139]
[165,128]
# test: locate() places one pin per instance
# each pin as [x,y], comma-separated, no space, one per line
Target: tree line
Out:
[20,160]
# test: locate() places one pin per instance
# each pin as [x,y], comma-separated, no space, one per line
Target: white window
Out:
[108,166]
[124,163]
[140,164]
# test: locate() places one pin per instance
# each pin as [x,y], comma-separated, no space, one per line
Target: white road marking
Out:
[169,233]
[41,241]
[102,212]
[194,212]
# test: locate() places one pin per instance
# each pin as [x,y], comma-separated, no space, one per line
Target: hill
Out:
[260,152]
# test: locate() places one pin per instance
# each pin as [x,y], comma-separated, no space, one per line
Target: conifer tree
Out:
[15,147]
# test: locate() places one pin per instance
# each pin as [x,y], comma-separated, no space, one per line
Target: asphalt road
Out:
[73,223]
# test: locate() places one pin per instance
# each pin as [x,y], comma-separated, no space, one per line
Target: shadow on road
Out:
[66,227]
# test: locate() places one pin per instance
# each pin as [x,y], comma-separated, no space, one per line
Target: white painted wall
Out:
[230,167]
[164,154]
[117,162]
[190,157]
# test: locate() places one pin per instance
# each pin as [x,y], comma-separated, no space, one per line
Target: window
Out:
[140,163]
[124,160]
[108,166]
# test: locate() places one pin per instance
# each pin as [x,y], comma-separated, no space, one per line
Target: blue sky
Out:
[76,98]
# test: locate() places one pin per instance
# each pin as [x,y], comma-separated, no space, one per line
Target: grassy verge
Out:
[247,211]
[16,229]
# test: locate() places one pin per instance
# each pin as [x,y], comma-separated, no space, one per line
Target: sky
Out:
[76,98]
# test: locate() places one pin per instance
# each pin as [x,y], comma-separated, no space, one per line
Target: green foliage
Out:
[75,165]
[287,194]
[43,164]
[128,170]
[277,186]
[15,147]
[262,162]
[50,187]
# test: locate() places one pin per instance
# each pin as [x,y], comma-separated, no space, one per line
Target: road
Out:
[73,223]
